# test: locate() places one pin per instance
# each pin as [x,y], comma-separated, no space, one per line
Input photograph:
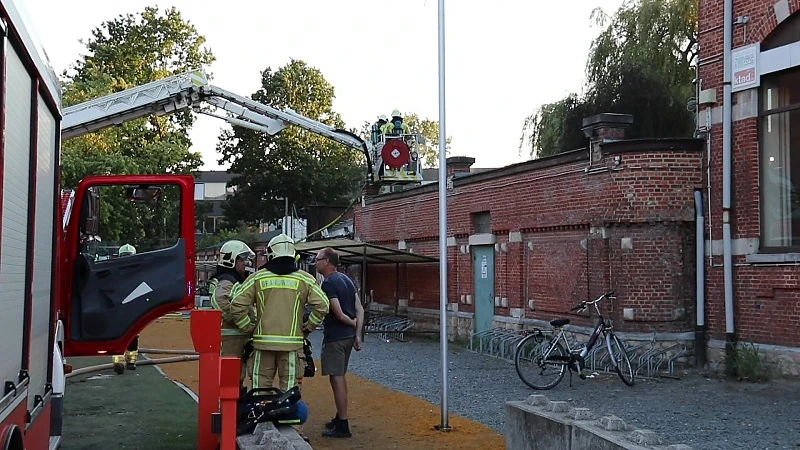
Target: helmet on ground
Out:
[126,250]
[281,245]
[397,113]
[231,250]
[302,411]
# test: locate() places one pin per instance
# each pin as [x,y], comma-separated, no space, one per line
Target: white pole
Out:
[442,223]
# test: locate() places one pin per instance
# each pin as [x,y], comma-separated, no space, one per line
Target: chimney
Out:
[459,164]
[604,127]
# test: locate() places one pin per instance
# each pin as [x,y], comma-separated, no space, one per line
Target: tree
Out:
[640,64]
[303,166]
[429,129]
[122,53]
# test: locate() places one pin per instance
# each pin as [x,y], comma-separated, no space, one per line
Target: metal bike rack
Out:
[496,342]
[389,327]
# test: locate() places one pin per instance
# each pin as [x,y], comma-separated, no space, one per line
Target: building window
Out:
[780,160]
[482,222]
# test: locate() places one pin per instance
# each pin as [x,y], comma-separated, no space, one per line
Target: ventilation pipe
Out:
[700,264]
[727,125]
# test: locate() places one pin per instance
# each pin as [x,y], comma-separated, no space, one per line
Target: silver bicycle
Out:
[539,358]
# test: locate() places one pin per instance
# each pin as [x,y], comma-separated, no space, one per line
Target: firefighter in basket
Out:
[128,360]
[234,259]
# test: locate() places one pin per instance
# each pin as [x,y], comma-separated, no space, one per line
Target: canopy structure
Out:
[355,252]
[362,253]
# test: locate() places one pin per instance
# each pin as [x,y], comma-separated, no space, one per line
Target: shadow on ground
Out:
[138,410]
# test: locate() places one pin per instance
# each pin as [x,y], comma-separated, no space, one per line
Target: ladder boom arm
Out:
[191,90]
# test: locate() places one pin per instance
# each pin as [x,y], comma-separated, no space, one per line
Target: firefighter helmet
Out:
[383,118]
[231,250]
[397,113]
[281,245]
[126,250]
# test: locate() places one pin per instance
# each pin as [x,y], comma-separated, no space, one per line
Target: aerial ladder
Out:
[397,163]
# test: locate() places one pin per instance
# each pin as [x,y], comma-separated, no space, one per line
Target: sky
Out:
[503,59]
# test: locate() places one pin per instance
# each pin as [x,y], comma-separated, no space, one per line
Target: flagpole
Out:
[444,426]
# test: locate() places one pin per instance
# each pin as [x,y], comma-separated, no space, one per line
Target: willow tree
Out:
[642,64]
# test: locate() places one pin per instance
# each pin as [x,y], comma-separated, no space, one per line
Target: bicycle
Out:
[553,354]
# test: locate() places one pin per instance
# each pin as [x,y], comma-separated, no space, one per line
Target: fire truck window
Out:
[128,227]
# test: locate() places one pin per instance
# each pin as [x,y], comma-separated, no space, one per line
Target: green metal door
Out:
[483,264]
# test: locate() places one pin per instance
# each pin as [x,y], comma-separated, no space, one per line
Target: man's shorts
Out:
[336,357]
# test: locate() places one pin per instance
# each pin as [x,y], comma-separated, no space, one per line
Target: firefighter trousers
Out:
[289,366]
[234,346]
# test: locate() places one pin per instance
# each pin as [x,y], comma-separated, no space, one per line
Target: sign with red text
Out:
[744,67]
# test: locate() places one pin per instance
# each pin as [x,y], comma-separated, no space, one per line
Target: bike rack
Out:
[497,342]
[389,327]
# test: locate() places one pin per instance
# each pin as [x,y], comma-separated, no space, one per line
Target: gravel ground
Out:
[707,414]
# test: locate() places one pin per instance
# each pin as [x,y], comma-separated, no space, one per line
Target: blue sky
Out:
[503,58]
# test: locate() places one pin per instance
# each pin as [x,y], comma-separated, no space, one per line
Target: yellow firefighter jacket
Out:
[280,302]
[220,290]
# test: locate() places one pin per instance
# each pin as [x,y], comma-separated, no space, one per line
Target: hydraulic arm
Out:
[192,90]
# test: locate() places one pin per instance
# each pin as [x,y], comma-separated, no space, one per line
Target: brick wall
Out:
[765,297]
[565,234]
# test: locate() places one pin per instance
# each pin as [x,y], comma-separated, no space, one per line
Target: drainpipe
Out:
[727,125]
[700,264]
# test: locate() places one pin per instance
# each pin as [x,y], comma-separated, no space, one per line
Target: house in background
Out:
[211,188]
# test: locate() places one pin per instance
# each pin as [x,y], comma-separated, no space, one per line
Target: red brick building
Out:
[527,241]
[754,206]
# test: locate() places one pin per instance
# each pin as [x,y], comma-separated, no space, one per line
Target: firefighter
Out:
[280,292]
[396,126]
[376,132]
[234,258]
[132,352]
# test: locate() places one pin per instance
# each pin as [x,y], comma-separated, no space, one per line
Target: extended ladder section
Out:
[192,90]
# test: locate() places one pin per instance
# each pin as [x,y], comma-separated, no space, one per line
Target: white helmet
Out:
[383,117]
[231,250]
[279,246]
[397,113]
[126,250]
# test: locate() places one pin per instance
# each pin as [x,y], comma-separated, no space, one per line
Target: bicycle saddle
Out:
[559,322]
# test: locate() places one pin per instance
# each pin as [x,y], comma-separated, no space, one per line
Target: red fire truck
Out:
[63,290]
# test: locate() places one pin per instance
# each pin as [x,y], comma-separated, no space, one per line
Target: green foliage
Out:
[303,166]
[429,129]
[748,364]
[640,64]
[125,52]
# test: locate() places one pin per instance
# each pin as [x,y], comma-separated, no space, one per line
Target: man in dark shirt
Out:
[342,333]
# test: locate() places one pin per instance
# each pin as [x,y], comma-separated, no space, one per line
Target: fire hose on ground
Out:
[185,355]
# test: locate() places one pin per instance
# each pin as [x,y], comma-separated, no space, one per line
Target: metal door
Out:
[483,264]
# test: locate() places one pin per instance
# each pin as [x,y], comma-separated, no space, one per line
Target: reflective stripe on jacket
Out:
[220,291]
[280,303]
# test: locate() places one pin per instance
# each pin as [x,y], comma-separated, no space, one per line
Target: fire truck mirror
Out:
[90,212]
[145,194]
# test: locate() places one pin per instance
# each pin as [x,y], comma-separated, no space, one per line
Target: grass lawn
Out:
[140,409]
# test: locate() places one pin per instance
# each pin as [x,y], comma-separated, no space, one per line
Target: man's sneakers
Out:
[337,428]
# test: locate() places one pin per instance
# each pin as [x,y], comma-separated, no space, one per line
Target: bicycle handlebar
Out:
[585,304]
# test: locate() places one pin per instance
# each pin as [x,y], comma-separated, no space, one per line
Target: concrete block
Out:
[645,437]
[581,414]
[528,428]
[558,407]
[537,400]
[612,423]
[267,437]
[627,313]
[627,243]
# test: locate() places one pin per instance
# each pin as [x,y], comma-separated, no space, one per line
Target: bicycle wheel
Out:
[619,357]
[536,371]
